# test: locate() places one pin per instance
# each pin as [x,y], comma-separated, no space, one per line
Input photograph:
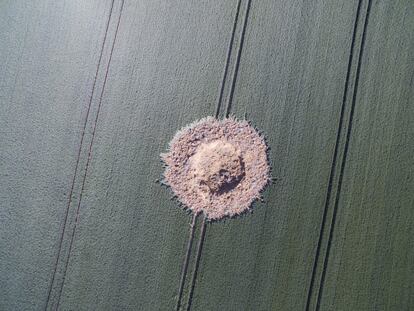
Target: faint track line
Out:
[347,141]
[335,159]
[227,64]
[186,261]
[91,143]
[228,108]
[238,57]
[197,263]
[78,157]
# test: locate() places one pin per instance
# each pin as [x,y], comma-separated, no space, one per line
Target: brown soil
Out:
[218,167]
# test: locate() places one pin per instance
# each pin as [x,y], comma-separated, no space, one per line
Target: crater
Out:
[217,167]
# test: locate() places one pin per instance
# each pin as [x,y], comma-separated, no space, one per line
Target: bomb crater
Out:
[217,167]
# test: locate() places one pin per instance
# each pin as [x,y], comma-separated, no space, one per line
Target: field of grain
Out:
[92,92]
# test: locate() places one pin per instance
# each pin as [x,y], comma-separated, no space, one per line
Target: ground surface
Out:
[91,93]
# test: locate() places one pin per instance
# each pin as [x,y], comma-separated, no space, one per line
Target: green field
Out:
[91,93]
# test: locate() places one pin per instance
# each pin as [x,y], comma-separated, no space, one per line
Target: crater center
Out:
[217,167]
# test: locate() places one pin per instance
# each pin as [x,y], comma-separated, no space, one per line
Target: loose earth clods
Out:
[218,167]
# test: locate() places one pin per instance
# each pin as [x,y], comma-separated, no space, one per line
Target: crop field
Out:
[91,94]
